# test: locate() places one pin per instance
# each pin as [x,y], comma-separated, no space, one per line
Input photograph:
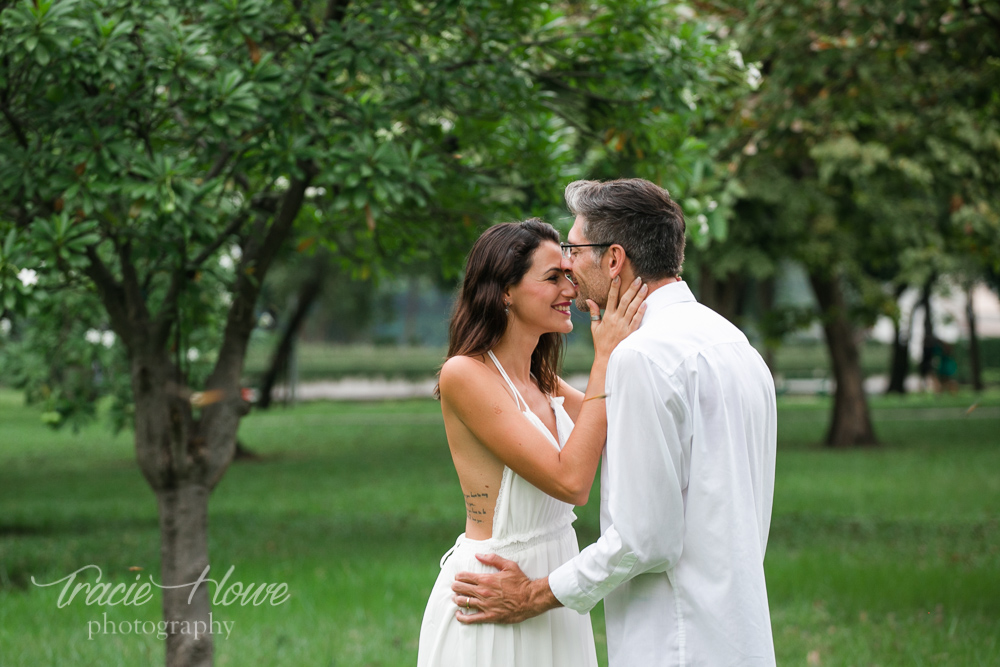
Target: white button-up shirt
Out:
[686,486]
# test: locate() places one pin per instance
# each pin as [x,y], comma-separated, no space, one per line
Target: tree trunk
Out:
[975,361]
[309,291]
[851,424]
[724,296]
[184,555]
[927,358]
[900,363]
[175,459]
[765,297]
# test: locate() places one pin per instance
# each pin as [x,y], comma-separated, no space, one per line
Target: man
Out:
[688,472]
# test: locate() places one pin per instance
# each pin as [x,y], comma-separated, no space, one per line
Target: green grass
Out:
[887,556]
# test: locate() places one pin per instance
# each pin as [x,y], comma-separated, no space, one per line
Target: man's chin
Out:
[581,304]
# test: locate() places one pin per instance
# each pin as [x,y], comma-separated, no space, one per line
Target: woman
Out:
[509,419]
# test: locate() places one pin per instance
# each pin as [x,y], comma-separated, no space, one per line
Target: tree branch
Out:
[220,163]
[162,322]
[466,63]
[719,9]
[257,257]
[579,74]
[992,18]
[142,131]
[135,302]
[210,249]
[561,112]
[111,293]
[22,139]
[223,416]
[561,38]
[559,83]
[306,21]
[336,10]
[263,252]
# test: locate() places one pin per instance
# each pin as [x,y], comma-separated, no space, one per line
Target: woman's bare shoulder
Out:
[459,374]
[460,366]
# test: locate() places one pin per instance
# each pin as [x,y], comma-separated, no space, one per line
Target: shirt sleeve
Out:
[648,449]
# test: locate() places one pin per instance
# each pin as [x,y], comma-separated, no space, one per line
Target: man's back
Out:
[688,485]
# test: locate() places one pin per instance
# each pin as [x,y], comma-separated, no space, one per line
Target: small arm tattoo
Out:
[472,510]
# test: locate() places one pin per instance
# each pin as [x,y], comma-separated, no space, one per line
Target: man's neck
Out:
[653,285]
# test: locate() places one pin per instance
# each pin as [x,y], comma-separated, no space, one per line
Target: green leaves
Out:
[38,29]
[65,240]
[153,138]
[19,273]
[875,125]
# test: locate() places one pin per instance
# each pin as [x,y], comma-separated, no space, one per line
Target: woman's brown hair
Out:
[498,259]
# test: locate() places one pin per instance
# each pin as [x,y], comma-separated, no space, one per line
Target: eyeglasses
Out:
[567,248]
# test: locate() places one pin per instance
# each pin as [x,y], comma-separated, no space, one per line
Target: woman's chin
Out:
[565,328]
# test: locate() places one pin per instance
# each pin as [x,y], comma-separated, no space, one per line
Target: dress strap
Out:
[517,394]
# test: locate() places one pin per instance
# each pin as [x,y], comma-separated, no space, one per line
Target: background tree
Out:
[872,140]
[141,141]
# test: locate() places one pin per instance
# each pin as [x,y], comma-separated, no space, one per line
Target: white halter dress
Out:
[534,530]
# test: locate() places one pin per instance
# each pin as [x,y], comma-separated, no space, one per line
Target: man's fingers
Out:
[481,617]
[492,559]
[468,578]
[465,601]
[459,588]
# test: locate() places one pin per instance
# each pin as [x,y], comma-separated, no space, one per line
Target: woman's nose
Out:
[571,284]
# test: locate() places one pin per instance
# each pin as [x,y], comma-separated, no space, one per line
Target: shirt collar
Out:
[668,295]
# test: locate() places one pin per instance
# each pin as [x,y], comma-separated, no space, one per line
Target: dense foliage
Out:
[170,148]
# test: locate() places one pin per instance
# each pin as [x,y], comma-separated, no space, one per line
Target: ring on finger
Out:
[595,318]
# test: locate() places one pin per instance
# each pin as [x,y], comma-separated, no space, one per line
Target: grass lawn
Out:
[888,556]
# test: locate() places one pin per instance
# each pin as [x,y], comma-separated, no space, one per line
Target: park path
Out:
[377,389]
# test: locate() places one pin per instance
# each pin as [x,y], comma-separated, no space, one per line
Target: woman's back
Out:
[481,474]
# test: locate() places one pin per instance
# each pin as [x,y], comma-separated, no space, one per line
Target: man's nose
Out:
[566,264]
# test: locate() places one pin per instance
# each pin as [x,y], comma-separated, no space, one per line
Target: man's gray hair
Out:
[637,215]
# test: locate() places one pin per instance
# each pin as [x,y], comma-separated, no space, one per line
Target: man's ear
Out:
[616,260]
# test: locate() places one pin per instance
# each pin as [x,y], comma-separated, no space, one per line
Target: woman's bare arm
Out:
[572,399]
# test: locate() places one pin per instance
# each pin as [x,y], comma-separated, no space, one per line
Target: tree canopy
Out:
[869,154]
[141,141]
